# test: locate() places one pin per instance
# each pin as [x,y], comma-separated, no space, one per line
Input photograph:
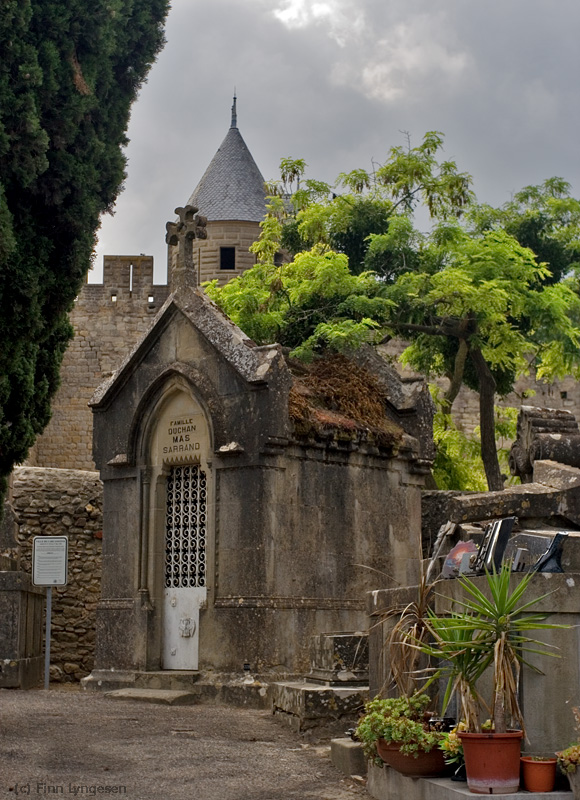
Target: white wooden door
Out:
[185,566]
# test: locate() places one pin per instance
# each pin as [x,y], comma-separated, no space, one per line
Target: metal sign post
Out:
[49,568]
[47,638]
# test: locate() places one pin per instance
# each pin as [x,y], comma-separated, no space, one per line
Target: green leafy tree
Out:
[308,305]
[70,71]
[545,218]
[485,307]
[476,305]
[366,215]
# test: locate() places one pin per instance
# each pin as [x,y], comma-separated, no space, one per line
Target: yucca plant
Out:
[488,632]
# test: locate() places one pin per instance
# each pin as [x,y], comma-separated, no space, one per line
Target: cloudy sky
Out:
[337,82]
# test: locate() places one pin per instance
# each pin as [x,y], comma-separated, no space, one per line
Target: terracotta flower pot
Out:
[492,761]
[538,775]
[426,765]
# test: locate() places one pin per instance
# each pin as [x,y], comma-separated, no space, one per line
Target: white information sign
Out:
[49,560]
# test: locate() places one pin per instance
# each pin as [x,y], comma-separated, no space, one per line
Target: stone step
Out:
[348,757]
[175,680]
[162,696]
[167,679]
[204,688]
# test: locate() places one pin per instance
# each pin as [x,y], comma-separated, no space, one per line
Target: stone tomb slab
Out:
[162,696]
[307,706]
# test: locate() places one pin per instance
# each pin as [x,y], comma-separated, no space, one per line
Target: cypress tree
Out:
[69,71]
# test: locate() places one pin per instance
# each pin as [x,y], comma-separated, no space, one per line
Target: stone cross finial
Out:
[181,233]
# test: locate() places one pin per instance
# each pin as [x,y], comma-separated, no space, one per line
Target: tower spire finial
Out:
[234,112]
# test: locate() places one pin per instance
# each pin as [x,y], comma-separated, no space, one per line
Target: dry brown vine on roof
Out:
[334,393]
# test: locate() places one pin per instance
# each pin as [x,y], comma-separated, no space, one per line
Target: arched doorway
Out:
[180,520]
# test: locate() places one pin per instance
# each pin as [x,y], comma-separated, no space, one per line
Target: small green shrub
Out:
[458,463]
[401,720]
[569,759]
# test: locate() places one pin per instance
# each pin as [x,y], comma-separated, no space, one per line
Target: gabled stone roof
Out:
[232,187]
[254,364]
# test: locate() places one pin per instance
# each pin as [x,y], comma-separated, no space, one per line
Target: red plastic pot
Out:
[538,775]
[426,765]
[492,761]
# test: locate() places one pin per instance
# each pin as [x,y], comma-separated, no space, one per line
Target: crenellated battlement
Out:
[127,284]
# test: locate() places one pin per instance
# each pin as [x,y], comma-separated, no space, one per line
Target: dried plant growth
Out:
[401,653]
[335,395]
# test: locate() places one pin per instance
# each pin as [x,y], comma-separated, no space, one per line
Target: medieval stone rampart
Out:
[65,502]
[109,319]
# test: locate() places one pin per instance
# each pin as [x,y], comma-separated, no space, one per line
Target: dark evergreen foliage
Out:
[69,71]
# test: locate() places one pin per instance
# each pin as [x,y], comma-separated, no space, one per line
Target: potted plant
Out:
[568,760]
[489,630]
[453,752]
[398,732]
[538,773]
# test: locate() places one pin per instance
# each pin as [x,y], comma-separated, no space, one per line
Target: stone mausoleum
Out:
[234,532]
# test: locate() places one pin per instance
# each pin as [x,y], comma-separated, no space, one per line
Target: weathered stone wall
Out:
[63,502]
[109,319]
[560,394]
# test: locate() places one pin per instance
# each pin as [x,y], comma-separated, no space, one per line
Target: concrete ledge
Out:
[386,784]
[348,757]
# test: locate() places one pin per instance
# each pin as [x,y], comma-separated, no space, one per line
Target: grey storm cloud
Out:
[337,82]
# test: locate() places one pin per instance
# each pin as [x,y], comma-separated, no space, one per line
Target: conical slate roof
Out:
[232,187]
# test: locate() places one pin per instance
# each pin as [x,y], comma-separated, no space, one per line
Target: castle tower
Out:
[231,195]
[110,318]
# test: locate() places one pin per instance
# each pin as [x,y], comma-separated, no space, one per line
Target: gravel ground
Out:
[77,744]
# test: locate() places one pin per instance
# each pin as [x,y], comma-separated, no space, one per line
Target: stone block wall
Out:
[560,394]
[62,502]
[206,252]
[109,319]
